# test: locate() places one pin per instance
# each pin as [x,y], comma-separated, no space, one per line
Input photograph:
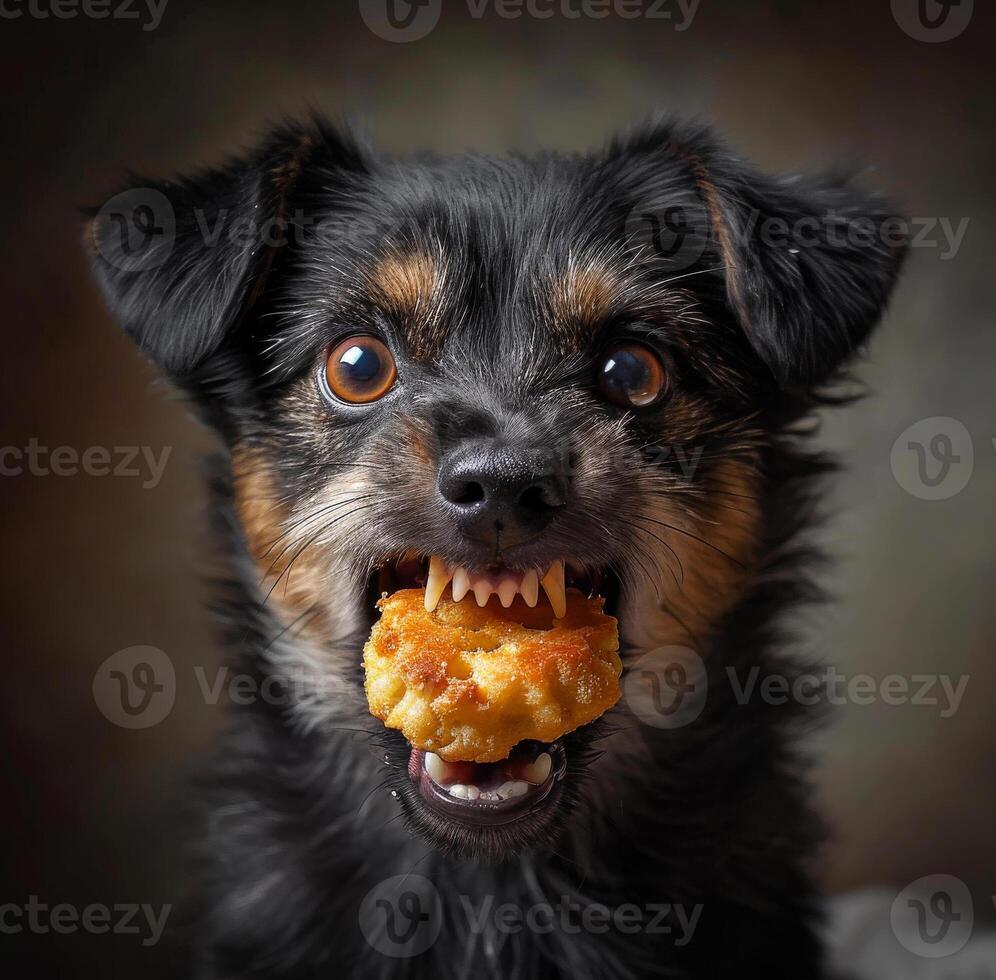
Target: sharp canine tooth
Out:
[482,590]
[553,586]
[461,583]
[438,579]
[435,767]
[537,772]
[530,588]
[507,590]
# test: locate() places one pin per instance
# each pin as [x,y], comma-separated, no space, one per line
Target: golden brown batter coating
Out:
[469,683]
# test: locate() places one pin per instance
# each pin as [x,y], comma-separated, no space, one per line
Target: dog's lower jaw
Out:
[708,819]
[307,838]
[303,846]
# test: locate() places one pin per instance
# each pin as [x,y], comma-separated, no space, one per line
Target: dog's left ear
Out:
[809,263]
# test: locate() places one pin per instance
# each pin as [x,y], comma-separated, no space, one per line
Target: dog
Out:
[610,360]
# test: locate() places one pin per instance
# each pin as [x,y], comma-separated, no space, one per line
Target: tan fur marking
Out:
[708,191]
[284,176]
[710,197]
[581,300]
[717,567]
[409,288]
[295,593]
[422,451]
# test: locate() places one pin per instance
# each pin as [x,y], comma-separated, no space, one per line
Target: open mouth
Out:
[434,575]
[489,793]
[524,789]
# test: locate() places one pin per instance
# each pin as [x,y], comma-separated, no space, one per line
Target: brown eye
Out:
[631,375]
[360,369]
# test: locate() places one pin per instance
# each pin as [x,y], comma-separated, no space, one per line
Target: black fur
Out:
[301,820]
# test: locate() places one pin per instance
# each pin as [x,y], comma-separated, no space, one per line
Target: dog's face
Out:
[475,374]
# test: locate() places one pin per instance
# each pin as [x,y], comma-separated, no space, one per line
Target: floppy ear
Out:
[182,262]
[809,264]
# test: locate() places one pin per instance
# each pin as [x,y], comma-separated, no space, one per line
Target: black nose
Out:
[490,488]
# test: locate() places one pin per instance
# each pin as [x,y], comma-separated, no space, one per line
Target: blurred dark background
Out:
[95,564]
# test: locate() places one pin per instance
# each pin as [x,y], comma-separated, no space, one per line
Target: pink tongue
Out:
[486,775]
[462,772]
[483,775]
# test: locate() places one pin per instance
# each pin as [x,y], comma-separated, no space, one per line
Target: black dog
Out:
[607,360]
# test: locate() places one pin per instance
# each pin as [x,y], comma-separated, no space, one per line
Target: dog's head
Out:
[503,364]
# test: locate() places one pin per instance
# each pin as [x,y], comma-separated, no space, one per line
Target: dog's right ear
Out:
[182,262]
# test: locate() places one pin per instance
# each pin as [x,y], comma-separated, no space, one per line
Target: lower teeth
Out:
[518,777]
[507,791]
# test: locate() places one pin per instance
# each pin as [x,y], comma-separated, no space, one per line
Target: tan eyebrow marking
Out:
[581,300]
[409,287]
